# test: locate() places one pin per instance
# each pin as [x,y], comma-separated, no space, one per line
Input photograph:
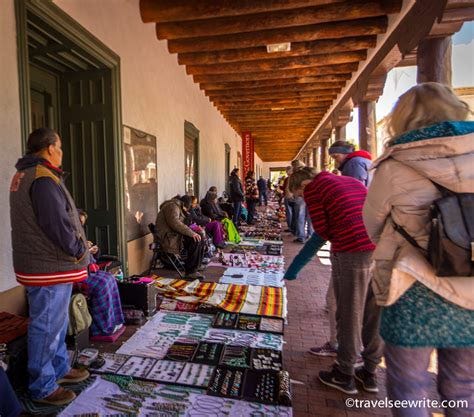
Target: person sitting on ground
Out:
[350,162]
[213,228]
[227,207]
[210,206]
[174,235]
[335,206]
[103,294]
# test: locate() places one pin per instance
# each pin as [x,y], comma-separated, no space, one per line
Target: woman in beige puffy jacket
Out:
[431,141]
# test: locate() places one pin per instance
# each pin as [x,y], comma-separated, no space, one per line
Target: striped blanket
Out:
[249,299]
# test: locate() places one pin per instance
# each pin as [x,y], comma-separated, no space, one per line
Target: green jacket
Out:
[232,233]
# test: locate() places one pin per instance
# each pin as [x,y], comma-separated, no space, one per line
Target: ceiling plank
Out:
[335,30]
[322,79]
[320,94]
[260,52]
[286,91]
[279,64]
[348,10]
[300,72]
[184,10]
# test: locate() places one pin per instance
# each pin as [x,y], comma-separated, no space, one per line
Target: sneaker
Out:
[298,240]
[338,380]
[206,260]
[325,350]
[367,379]
[195,275]
[74,376]
[61,396]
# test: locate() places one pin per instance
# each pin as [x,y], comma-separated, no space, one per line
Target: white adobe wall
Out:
[10,140]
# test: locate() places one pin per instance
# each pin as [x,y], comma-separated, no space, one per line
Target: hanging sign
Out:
[247,153]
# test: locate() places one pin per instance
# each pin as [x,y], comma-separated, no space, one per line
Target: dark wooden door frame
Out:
[191,131]
[62,22]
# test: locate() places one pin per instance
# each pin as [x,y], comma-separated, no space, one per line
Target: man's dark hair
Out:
[40,139]
[187,201]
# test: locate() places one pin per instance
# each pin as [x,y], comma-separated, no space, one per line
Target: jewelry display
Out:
[261,386]
[113,362]
[269,341]
[166,371]
[197,375]
[207,309]
[181,352]
[137,366]
[208,353]
[226,382]
[247,322]
[225,320]
[273,325]
[266,359]
[238,356]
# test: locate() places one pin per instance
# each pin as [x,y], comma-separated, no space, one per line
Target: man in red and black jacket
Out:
[335,207]
[352,163]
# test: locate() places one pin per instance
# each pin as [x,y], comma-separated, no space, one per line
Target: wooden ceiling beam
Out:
[322,79]
[295,95]
[184,10]
[260,52]
[272,115]
[264,75]
[347,11]
[268,104]
[334,30]
[314,88]
[279,64]
[237,96]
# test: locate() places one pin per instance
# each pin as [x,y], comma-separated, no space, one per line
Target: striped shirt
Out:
[335,207]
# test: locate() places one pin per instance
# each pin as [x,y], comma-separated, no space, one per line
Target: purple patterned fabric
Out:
[104,303]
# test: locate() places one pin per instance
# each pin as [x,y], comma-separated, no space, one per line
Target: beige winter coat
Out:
[170,227]
[400,190]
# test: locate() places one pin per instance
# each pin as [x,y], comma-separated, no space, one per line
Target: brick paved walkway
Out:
[308,326]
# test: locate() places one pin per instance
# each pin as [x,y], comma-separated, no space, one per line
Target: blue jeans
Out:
[303,226]
[237,212]
[47,354]
[289,206]
[262,198]
[408,378]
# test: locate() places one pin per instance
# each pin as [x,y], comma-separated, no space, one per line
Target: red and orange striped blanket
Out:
[249,299]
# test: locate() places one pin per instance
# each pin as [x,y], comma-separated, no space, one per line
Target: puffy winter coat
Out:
[236,189]
[401,190]
[357,165]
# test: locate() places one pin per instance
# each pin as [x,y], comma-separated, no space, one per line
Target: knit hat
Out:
[341,146]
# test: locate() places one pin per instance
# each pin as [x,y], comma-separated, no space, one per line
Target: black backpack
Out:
[451,243]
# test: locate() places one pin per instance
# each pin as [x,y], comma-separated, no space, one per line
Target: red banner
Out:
[247,153]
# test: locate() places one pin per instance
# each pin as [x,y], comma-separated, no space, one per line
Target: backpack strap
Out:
[408,237]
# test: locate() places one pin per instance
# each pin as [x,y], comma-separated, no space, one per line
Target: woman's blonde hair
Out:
[423,105]
[302,174]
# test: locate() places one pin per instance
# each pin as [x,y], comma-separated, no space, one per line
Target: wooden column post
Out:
[367,127]
[340,132]
[433,59]
[324,154]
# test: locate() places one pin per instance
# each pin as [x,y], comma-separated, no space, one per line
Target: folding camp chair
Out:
[169,259]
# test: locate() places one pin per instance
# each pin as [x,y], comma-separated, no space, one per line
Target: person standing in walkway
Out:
[288,201]
[251,196]
[350,162]
[262,191]
[431,146]
[50,253]
[335,206]
[236,195]
[301,221]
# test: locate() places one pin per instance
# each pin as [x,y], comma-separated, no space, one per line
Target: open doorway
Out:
[69,86]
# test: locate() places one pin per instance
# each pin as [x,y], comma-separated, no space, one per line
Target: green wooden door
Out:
[88,142]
